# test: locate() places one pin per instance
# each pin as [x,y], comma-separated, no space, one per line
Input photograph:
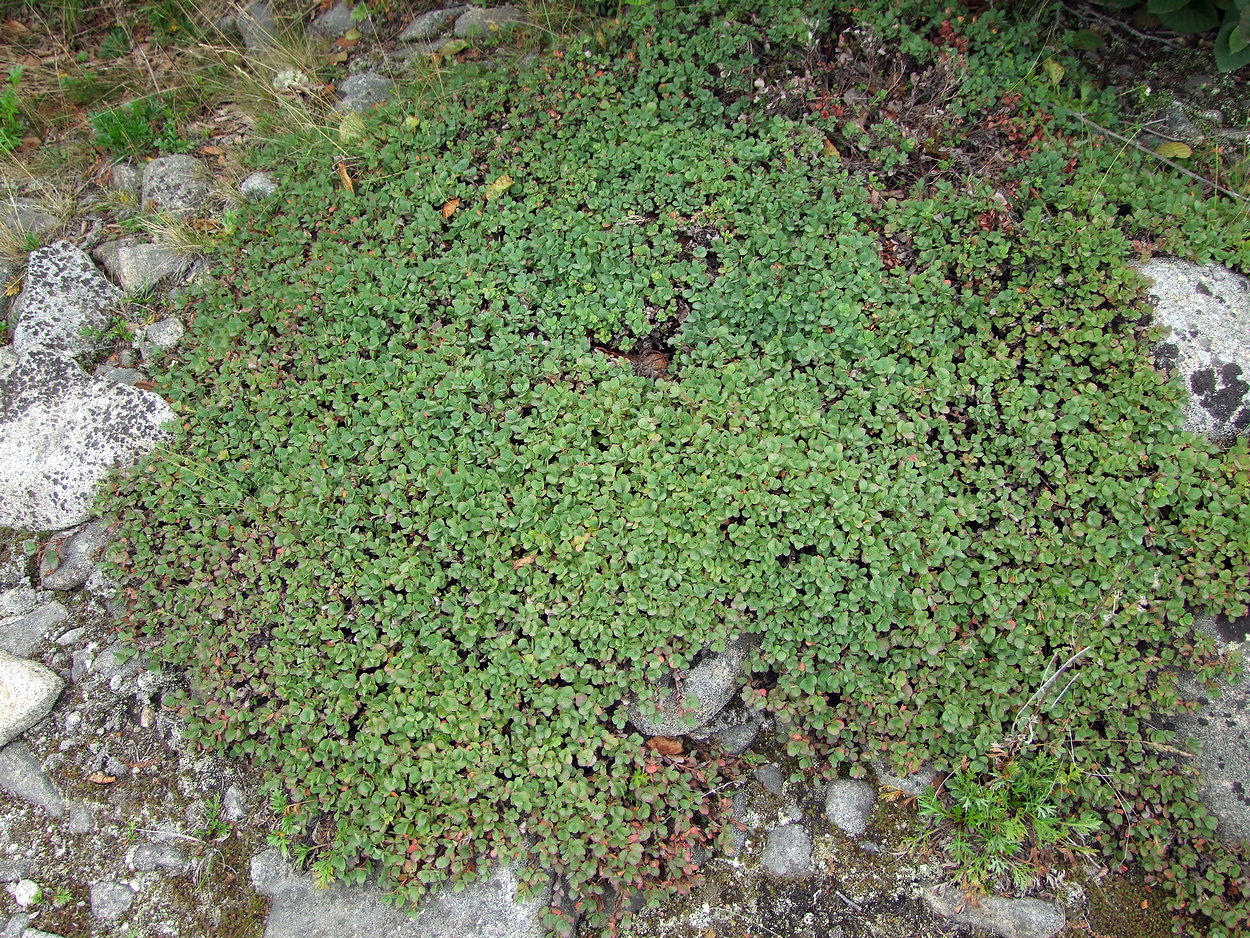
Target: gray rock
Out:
[337,20]
[769,777]
[737,738]
[233,805]
[848,802]
[28,692]
[23,216]
[127,376]
[22,776]
[20,637]
[1207,308]
[913,784]
[705,689]
[71,637]
[431,25]
[1220,729]
[161,336]
[81,819]
[117,661]
[482,910]
[19,601]
[16,926]
[1007,918]
[65,305]
[160,855]
[476,21]
[788,852]
[36,933]
[110,901]
[61,432]
[125,177]
[257,25]
[363,91]
[70,557]
[258,187]
[176,185]
[138,266]
[13,868]
[1179,126]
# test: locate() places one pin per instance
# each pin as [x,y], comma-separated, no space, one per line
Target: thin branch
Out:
[1162,159]
[1117,24]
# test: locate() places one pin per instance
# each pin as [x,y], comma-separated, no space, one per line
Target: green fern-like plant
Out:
[995,826]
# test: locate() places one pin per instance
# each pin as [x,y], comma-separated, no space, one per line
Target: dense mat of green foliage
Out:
[426,529]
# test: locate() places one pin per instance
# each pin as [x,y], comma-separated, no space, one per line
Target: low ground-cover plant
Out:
[137,127]
[1004,828]
[428,528]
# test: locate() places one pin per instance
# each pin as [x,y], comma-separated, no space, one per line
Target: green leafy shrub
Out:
[427,530]
[10,111]
[137,127]
[1003,828]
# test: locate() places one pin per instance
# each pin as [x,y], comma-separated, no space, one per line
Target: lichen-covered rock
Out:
[432,24]
[363,91]
[336,21]
[486,909]
[69,558]
[65,304]
[28,692]
[26,217]
[479,21]
[22,776]
[258,187]
[1207,309]
[788,852]
[176,185]
[110,900]
[158,338]
[1007,918]
[22,635]
[61,432]
[704,691]
[137,266]
[848,803]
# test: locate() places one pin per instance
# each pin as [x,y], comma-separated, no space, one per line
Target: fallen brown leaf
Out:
[665,745]
[450,206]
[524,561]
[101,779]
[347,180]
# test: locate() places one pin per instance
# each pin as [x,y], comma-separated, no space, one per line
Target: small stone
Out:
[257,187]
[363,91]
[20,637]
[1007,918]
[127,376]
[26,892]
[110,900]
[337,20]
[28,691]
[476,21]
[177,185]
[431,25]
[914,784]
[117,661]
[160,337]
[769,776]
[848,803]
[81,819]
[24,216]
[137,266]
[233,805]
[257,25]
[737,738]
[71,637]
[124,177]
[69,558]
[706,689]
[161,855]
[291,79]
[788,852]
[22,776]
[81,660]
